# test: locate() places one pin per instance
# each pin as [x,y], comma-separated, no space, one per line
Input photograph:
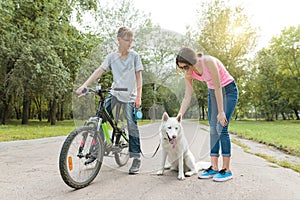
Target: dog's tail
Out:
[202,165]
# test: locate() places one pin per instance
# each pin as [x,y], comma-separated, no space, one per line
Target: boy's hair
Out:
[123,31]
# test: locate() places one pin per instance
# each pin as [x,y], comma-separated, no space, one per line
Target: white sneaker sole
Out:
[222,179]
[206,177]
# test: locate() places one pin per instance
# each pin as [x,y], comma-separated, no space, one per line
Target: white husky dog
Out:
[176,148]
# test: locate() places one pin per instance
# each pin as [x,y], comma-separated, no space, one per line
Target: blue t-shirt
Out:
[123,70]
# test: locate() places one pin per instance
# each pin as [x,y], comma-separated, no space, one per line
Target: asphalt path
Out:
[29,170]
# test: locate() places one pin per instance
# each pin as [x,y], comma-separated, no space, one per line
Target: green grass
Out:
[266,157]
[242,145]
[35,129]
[284,135]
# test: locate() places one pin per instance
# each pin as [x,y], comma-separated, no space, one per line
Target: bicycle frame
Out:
[104,117]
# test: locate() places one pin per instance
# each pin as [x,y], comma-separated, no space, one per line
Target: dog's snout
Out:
[174,136]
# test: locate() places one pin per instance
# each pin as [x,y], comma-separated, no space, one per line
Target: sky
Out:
[270,16]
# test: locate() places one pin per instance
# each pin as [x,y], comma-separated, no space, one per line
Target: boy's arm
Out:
[96,74]
[139,83]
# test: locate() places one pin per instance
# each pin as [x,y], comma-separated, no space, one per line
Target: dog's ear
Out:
[179,117]
[165,116]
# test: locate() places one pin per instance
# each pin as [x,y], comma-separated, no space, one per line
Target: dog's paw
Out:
[181,177]
[160,173]
[190,173]
[167,167]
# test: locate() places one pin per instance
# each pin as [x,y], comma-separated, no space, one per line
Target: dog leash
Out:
[153,154]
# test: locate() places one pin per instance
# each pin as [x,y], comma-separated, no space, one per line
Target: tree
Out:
[274,84]
[226,33]
[266,84]
[286,54]
[36,45]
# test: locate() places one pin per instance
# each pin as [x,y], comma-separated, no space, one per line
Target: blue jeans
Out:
[134,135]
[218,134]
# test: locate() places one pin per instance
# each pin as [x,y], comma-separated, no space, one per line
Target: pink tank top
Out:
[225,77]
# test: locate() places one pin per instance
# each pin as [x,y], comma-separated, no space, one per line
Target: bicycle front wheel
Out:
[81,157]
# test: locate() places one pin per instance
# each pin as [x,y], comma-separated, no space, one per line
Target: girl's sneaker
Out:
[208,173]
[223,176]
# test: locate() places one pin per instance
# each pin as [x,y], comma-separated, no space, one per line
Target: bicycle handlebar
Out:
[86,91]
[120,89]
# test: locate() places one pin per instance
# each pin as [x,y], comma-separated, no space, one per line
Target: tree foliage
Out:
[226,33]
[43,57]
[39,54]
[278,75]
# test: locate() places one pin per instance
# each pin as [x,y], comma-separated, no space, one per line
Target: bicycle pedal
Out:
[90,160]
[80,155]
[116,149]
[88,155]
[123,146]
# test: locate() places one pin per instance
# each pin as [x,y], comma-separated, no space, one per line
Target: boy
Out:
[127,69]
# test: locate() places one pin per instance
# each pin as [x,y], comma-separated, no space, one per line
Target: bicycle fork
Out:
[94,146]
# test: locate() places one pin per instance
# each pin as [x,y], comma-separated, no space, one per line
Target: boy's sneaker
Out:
[222,176]
[135,167]
[208,173]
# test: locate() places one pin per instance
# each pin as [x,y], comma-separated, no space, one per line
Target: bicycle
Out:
[82,153]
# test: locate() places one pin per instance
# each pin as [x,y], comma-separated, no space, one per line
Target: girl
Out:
[222,99]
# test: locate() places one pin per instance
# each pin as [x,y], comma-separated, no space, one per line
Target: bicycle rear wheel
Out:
[79,149]
[122,154]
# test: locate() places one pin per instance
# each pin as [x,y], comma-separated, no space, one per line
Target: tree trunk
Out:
[4,113]
[49,111]
[61,118]
[38,104]
[203,112]
[297,114]
[30,111]
[25,108]
[53,112]
[18,112]
[60,112]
